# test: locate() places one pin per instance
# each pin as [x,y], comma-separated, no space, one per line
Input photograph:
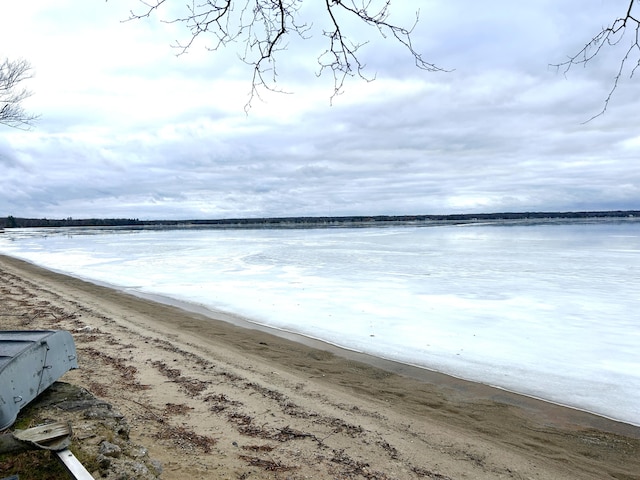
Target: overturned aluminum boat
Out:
[30,361]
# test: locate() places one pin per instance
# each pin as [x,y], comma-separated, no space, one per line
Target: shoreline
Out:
[411,409]
[462,386]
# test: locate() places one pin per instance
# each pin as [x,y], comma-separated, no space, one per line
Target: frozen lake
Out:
[548,310]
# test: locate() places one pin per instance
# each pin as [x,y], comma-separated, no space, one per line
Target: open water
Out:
[548,310]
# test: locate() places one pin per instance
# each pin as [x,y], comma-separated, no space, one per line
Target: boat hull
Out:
[30,361]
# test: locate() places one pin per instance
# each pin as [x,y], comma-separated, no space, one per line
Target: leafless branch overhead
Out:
[263,28]
[12,74]
[615,35]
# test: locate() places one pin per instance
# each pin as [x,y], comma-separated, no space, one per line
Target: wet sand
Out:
[211,398]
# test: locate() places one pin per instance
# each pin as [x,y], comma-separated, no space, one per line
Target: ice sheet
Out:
[545,310]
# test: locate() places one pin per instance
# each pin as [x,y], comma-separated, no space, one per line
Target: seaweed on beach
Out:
[232,377]
[297,411]
[185,439]
[350,468]
[221,402]
[266,392]
[239,418]
[54,314]
[247,427]
[127,372]
[170,347]
[423,472]
[86,338]
[258,448]
[393,452]
[176,409]
[98,389]
[269,465]
[171,373]
[220,398]
[191,386]
[340,426]
[287,433]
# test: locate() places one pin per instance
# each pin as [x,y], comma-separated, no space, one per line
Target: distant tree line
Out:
[13,222]
[355,220]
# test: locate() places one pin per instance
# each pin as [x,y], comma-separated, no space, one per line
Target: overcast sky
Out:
[129,129]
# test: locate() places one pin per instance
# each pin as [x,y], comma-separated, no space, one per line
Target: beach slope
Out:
[212,399]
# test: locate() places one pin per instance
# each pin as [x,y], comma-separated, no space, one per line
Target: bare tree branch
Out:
[610,36]
[12,74]
[264,26]
[341,56]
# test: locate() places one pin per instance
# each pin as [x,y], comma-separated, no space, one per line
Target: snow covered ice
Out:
[548,310]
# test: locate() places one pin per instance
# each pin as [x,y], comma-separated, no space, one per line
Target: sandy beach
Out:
[211,398]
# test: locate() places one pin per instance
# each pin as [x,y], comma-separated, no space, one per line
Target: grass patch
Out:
[32,465]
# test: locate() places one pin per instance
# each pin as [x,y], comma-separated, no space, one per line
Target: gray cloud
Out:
[130,130]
